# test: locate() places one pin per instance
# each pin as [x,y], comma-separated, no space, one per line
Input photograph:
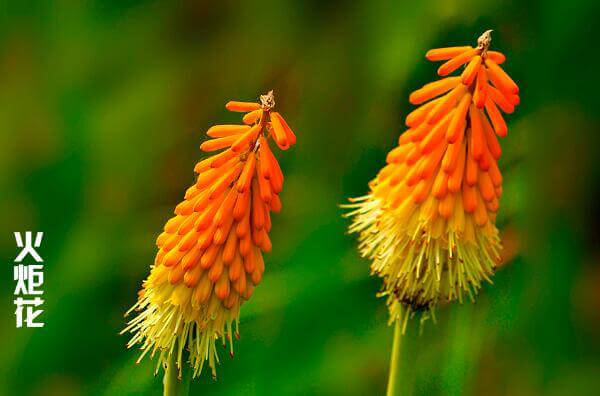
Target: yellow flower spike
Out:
[210,253]
[427,224]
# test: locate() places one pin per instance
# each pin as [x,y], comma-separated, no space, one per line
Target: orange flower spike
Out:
[427,224]
[440,54]
[210,253]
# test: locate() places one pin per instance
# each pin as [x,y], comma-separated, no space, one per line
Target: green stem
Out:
[392,388]
[172,385]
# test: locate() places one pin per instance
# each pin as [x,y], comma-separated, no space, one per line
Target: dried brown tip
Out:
[484,41]
[267,101]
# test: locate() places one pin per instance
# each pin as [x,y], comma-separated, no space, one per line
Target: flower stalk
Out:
[172,384]
[392,386]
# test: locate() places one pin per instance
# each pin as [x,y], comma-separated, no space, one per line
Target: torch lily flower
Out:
[428,222]
[210,254]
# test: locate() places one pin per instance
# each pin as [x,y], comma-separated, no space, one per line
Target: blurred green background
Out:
[103,105]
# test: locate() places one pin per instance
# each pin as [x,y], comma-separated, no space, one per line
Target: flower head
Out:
[428,223]
[210,253]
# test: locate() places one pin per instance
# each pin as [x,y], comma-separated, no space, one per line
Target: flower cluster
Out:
[428,223]
[210,254]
